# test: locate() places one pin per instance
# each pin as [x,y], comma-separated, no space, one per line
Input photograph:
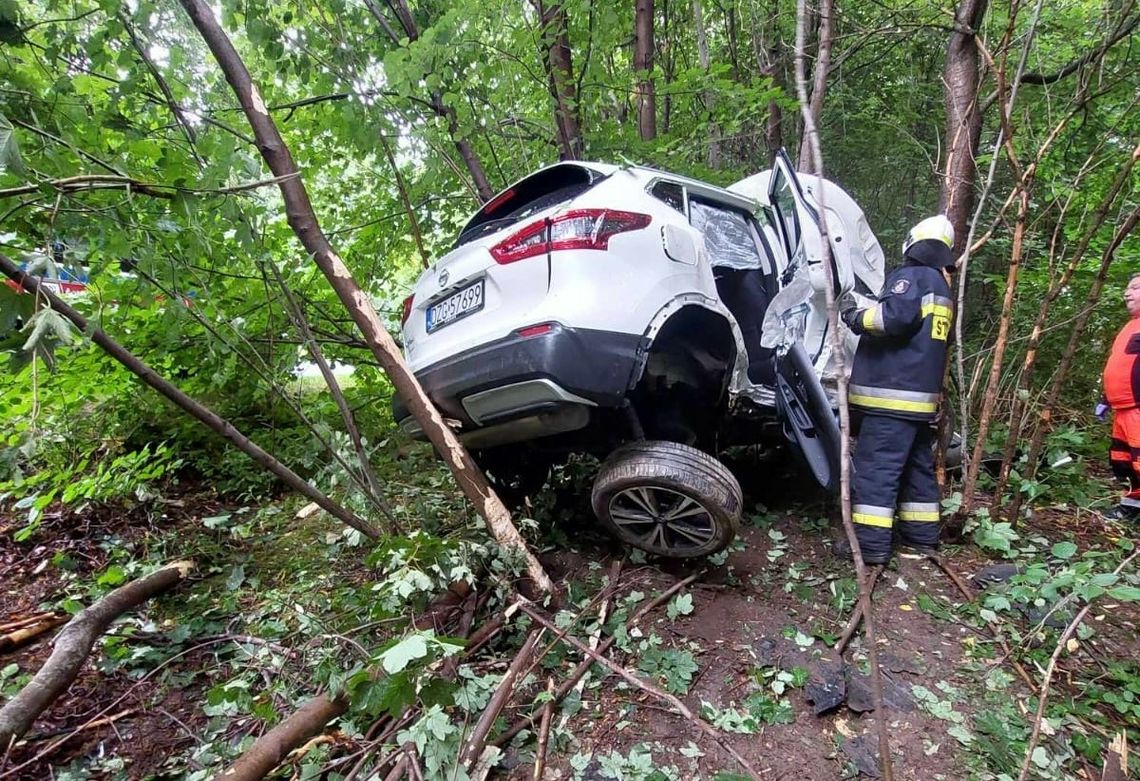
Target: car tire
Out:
[667,499]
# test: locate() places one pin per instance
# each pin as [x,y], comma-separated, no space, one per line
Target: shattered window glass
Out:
[728,237]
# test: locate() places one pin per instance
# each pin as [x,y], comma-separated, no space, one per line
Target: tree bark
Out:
[990,397]
[297,314]
[201,413]
[963,119]
[1071,349]
[558,62]
[445,112]
[303,220]
[72,646]
[707,95]
[271,749]
[1055,288]
[819,79]
[862,577]
[643,69]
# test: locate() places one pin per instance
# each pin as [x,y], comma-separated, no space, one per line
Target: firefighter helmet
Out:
[937,227]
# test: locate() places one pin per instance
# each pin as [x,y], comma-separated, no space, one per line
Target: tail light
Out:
[406,310]
[577,229]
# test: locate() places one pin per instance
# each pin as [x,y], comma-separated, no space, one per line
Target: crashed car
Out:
[648,319]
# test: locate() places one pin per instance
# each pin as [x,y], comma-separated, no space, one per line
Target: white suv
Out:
[648,319]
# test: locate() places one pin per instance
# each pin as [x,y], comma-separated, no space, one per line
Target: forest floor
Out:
[747,646]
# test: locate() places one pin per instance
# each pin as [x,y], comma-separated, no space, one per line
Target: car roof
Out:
[648,174]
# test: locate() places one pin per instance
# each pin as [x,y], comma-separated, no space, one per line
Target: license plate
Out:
[458,305]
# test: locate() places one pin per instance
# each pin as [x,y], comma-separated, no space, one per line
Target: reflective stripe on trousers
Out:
[892,400]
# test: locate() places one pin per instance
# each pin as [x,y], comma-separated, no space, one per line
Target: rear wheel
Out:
[668,499]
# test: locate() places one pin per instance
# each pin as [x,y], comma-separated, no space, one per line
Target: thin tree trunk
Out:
[963,119]
[643,69]
[819,79]
[1029,364]
[297,315]
[73,645]
[1076,335]
[203,414]
[406,202]
[707,95]
[179,115]
[990,397]
[558,62]
[447,113]
[271,749]
[863,578]
[303,220]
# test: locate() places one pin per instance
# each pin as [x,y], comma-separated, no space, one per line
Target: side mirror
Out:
[679,244]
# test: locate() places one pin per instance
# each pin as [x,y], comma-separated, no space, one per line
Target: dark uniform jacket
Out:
[902,347]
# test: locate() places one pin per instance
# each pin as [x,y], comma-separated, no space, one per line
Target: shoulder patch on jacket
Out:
[901,287]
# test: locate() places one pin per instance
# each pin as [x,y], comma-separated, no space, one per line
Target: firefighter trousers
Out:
[1124,453]
[894,466]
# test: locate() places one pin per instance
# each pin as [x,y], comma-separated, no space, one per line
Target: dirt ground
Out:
[770,606]
[741,618]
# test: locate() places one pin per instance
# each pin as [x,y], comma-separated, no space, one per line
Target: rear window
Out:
[549,187]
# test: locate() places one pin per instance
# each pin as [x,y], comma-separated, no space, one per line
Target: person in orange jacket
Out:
[1122,394]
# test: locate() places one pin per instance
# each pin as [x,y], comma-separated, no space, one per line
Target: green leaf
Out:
[10,160]
[403,653]
[112,577]
[680,605]
[1064,550]
[1125,593]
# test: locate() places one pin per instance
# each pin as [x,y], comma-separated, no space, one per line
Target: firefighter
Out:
[896,386]
[1122,394]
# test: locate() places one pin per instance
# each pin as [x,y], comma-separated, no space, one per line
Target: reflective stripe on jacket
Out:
[902,347]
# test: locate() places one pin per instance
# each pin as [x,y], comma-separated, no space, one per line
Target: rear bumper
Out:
[527,375]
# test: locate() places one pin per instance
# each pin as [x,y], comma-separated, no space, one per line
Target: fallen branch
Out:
[19,623]
[474,748]
[1116,759]
[73,645]
[584,666]
[101,722]
[303,220]
[270,749]
[183,401]
[26,634]
[967,592]
[544,731]
[676,704]
[1062,642]
[857,613]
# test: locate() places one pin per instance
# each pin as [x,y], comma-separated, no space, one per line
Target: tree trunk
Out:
[989,399]
[72,646]
[196,410]
[558,62]
[963,119]
[447,113]
[1055,288]
[862,578]
[1071,349]
[303,220]
[819,79]
[643,69]
[271,749]
[706,95]
[297,315]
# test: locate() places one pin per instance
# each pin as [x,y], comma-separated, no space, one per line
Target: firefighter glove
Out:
[1101,411]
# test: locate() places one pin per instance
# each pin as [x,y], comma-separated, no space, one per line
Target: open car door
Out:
[809,421]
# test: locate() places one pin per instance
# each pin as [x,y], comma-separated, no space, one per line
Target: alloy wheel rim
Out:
[661,519]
